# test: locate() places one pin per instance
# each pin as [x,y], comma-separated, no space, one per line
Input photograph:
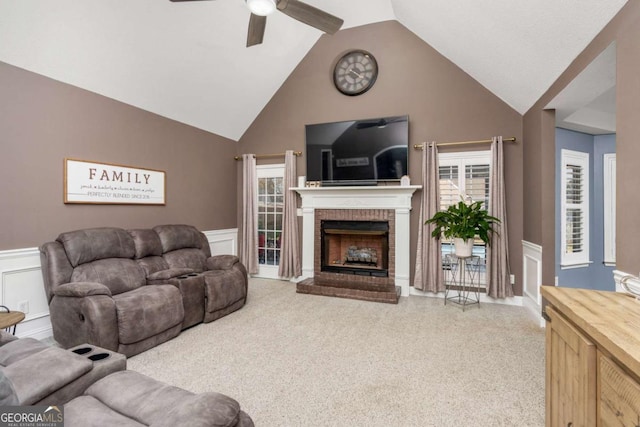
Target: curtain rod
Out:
[479,141]
[266,156]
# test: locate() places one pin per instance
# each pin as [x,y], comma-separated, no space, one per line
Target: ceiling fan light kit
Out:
[261,7]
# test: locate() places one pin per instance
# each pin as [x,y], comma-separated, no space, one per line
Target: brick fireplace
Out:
[360,248]
[355,242]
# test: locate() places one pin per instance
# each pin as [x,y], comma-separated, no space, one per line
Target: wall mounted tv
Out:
[358,152]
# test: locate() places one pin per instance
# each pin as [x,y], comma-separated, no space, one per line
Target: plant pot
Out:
[463,247]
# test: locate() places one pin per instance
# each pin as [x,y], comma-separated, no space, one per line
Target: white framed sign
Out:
[111,184]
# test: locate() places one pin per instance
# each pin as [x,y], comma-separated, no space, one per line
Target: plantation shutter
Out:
[449,187]
[575,219]
[477,183]
[575,215]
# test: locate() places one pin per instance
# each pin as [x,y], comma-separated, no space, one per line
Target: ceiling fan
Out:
[296,9]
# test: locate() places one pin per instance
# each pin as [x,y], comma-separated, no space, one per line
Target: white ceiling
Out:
[588,103]
[188,61]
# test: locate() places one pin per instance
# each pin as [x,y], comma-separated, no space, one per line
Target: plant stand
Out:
[463,280]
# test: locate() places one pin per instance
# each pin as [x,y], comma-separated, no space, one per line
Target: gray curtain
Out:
[428,274]
[498,273]
[249,242]
[290,264]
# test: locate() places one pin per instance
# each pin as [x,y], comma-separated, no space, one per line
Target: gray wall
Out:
[42,121]
[443,103]
[539,155]
[596,275]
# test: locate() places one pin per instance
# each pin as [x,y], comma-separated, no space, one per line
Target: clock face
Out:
[355,72]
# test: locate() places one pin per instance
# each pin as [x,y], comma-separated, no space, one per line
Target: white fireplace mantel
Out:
[394,197]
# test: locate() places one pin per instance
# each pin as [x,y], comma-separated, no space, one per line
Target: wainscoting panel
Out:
[223,242]
[532,278]
[21,287]
[21,282]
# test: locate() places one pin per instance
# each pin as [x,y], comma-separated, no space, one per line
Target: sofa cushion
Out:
[92,244]
[117,274]
[152,264]
[16,350]
[44,372]
[202,410]
[87,411]
[178,237]
[147,243]
[153,403]
[6,337]
[8,395]
[187,258]
[147,311]
[82,289]
[169,273]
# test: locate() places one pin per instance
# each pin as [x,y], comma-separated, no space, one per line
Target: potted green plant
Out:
[463,222]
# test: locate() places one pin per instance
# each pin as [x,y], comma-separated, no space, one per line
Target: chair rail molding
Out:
[633,281]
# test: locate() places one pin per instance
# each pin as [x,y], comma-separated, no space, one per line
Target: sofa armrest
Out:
[222,262]
[169,273]
[81,289]
[84,313]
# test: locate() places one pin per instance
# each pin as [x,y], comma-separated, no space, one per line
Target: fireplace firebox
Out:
[359,248]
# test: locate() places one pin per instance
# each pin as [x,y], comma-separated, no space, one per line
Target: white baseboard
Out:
[484,299]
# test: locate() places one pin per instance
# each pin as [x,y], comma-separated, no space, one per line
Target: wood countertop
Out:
[610,319]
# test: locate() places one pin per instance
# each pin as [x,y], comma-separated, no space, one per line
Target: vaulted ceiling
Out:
[188,61]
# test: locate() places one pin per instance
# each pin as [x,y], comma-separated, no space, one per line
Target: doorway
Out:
[270,215]
[585,146]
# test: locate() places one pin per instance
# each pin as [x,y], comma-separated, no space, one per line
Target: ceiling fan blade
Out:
[310,15]
[257,25]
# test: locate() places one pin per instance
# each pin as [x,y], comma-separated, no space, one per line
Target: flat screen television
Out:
[358,152]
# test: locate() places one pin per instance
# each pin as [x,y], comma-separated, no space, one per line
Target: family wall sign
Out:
[107,183]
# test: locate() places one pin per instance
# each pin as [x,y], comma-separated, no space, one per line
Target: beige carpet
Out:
[304,360]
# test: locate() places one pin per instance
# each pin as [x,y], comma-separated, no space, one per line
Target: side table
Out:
[10,318]
[463,280]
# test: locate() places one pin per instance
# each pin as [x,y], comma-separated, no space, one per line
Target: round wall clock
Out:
[355,72]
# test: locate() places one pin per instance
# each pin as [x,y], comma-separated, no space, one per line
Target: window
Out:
[574,204]
[465,176]
[270,213]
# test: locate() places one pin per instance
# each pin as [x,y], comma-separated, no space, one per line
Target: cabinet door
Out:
[619,396]
[570,375]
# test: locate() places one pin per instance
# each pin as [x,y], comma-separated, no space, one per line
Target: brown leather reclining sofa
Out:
[128,291]
[96,390]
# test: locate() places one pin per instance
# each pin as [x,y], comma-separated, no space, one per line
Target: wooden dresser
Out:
[592,358]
